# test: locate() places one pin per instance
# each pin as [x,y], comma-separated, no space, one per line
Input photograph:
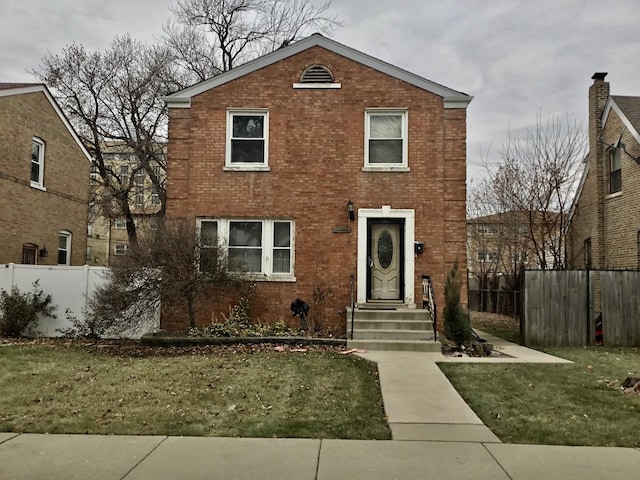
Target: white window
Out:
[263,248]
[120,224]
[37,163]
[247,140]
[64,247]
[386,140]
[155,198]
[88,256]
[120,249]
[89,229]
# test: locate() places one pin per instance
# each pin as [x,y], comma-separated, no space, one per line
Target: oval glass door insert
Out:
[385,249]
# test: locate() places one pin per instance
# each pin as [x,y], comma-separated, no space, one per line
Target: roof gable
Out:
[628,109]
[12,89]
[452,98]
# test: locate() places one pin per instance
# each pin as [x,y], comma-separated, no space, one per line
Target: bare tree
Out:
[530,191]
[174,264]
[115,97]
[213,36]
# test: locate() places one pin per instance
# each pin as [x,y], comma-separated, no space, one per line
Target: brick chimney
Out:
[598,96]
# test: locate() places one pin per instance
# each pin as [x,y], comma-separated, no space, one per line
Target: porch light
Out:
[351,210]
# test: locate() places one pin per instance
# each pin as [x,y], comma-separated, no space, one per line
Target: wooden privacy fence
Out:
[571,307]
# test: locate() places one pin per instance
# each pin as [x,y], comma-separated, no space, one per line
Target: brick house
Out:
[317,163]
[43,179]
[604,224]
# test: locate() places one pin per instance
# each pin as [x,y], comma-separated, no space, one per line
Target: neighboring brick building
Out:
[273,154]
[44,191]
[604,224]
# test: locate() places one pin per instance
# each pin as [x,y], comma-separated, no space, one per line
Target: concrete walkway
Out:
[436,435]
[95,457]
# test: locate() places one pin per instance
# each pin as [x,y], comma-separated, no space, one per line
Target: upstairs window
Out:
[615,171]
[64,248]
[386,139]
[247,140]
[37,163]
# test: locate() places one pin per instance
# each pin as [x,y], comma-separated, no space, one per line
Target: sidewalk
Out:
[436,435]
[94,457]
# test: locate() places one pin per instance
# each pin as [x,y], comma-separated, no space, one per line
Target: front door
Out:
[385,259]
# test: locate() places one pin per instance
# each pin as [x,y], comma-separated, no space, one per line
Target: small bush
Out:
[19,312]
[457,325]
[89,325]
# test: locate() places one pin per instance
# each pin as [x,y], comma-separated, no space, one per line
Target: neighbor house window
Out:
[64,248]
[155,198]
[124,174]
[615,171]
[587,252]
[37,163]
[29,253]
[88,255]
[484,229]
[120,248]
[93,176]
[120,224]
[386,138]
[247,139]
[261,247]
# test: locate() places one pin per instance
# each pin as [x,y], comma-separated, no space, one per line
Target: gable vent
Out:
[316,74]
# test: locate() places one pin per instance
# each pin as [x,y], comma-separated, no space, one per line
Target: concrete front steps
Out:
[391,328]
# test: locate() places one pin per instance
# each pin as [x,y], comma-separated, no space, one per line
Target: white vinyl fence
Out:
[69,287]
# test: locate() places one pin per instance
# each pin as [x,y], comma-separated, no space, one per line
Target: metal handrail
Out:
[352,303]
[429,303]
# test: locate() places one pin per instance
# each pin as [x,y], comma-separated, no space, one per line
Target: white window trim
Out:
[40,183]
[117,221]
[252,167]
[387,167]
[267,273]
[68,236]
[327,86]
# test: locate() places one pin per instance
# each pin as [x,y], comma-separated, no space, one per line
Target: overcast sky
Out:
[518,58]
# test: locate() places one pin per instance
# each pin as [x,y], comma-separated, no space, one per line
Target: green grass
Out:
[571,404]
[50,388]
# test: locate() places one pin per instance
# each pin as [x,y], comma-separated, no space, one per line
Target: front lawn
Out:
[579,404]
[63,387]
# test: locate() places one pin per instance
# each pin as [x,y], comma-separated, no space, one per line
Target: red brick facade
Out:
[31,215]
[316,144]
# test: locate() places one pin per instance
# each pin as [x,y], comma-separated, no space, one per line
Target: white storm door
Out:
[384,261]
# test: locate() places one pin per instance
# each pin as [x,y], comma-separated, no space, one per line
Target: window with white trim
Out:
[120,249]
[247,140]
[263,247]
[120,223]
[37,163]
[88,255]
[385,138]
[615,171]
[64,247]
